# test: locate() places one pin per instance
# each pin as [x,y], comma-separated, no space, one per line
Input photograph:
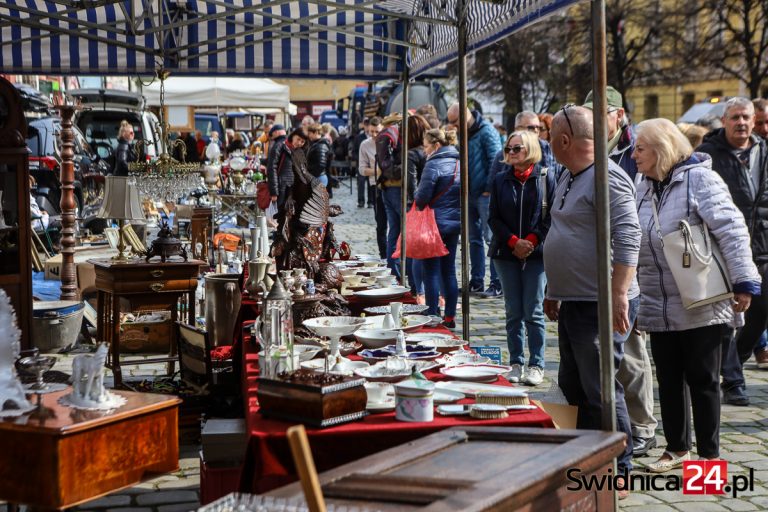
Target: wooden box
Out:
[143,337]
[317,405]
[478,469]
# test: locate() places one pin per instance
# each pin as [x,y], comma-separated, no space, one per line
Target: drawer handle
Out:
[156,287]
[156,273]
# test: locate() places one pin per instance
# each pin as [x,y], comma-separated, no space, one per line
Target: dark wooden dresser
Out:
[136,285]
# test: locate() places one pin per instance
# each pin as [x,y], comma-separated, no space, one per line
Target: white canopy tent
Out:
[225,92]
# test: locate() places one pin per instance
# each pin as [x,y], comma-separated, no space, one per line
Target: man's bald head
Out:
[575,121]
[572,135]
[452,116]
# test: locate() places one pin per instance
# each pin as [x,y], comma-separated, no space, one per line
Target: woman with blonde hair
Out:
[519,219]
[439,189]
[680,185]
[125,152]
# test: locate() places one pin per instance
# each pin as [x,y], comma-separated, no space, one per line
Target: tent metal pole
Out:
[404,186]
[599,82]
[464,166]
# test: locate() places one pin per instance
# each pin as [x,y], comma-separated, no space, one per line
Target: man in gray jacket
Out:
[569,262]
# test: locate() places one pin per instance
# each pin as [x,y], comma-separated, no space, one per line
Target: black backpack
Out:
[388,154]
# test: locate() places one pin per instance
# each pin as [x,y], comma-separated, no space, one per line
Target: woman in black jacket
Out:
[319,155]
[125,153]
[519,219]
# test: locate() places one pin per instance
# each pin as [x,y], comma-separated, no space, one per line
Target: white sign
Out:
[319,109]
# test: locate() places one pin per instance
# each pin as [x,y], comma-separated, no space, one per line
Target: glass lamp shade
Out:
[237,162]
[121,199]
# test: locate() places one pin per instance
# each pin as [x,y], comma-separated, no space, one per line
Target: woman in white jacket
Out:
[686,342]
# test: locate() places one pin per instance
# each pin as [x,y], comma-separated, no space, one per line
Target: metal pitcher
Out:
[222,307]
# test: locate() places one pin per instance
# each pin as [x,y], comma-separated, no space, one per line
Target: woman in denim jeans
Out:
[519,220]
[439,189]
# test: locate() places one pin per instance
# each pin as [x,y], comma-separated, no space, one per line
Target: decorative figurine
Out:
[88,383]
[166,245]
[13,401]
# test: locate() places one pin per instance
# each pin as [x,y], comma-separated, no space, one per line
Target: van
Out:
[107,108]
[709,108]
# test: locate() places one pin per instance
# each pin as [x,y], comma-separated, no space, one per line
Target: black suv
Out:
[44,143]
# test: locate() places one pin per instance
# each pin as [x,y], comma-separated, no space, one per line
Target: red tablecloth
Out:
[269,465]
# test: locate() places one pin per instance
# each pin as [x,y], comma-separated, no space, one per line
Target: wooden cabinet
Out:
[15,226]
[56,457]
[136,285]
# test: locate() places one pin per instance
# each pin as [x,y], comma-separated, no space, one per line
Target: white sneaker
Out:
[534,376]
[516,374]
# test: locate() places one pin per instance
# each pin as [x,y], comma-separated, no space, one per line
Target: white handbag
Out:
[696,263]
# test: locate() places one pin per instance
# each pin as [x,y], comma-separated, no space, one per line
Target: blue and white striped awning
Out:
[363,39]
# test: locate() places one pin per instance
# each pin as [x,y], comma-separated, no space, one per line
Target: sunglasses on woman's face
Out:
[514,149]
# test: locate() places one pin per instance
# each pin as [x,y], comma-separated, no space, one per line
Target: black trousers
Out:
[687,368]
[755,320]
[381,223]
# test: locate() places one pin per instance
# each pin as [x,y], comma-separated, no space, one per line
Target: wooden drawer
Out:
[155,286]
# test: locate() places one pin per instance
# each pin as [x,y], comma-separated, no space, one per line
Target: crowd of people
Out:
[532,215]
[531,202]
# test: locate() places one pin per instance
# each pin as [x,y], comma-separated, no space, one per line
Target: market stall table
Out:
[268,462]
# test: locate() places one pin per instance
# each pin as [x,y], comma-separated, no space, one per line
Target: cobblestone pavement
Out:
[743,431]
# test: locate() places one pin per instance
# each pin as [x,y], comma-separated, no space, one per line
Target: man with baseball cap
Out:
[634,373]
[621,140]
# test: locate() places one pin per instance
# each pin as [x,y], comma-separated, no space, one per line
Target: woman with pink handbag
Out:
[439,189]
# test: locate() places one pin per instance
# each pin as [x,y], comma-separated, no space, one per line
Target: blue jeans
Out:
[416,276]
[440,274]
[479,236]
[523,285]
[393,206]
[579,373]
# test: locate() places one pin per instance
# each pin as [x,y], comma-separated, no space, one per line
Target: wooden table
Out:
[138,285]
[479,468]
[57,456]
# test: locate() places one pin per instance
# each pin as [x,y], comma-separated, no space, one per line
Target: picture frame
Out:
[113,237]
[133,240]
[180,118]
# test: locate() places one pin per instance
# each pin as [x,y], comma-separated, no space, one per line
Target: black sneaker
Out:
[449,324]
[474,289]
[736,396]
[361,206]
[492,292]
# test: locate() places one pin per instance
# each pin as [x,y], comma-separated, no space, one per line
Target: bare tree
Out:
[526,68]
[730,36]
[636,49]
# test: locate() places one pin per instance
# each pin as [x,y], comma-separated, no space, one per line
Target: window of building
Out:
[651,106]
[717,92]
[689,99]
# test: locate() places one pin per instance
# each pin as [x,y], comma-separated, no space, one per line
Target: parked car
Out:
[101,123]
[44,144]
[713,107]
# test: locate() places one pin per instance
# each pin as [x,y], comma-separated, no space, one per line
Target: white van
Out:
[106,109]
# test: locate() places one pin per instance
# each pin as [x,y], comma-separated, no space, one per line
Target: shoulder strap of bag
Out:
[446,189]
[544,199]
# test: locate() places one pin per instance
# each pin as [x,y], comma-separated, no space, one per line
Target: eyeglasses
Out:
[570,126]
[533,128]
[514,149]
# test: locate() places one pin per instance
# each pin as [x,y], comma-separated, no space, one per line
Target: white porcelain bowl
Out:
[376,338]
[334,325]
[306,352]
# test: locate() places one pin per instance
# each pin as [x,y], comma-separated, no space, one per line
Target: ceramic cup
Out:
[395,308]
[384,281]
[377,391]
